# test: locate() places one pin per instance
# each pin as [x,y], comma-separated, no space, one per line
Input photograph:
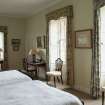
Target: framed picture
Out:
[15,44]
[39,42]
[83,38]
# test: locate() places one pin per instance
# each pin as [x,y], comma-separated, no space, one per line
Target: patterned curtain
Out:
[4,29]
[95,74]
[68,12]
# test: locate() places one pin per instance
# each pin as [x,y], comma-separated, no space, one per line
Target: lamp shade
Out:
[32,52]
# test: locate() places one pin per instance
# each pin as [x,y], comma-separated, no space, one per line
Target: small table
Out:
[38,65]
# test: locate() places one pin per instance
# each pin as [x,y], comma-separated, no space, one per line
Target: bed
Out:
[19,89]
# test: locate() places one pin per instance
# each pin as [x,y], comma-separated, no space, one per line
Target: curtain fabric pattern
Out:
[64,12]
[95,75]
[98,4]
[4,29]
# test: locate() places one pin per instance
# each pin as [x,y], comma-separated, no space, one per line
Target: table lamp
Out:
[33,52]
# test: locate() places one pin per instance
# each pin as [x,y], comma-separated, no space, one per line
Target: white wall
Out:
[83,19]
[15,30]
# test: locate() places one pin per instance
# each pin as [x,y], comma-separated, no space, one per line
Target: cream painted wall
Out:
[83,19]
[15,30]
[36,25]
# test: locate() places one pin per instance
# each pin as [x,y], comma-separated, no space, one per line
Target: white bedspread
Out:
[13,76]
[35,93]
[18,89]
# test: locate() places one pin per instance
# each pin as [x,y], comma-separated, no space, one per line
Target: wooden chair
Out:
[30,68]
[57,72]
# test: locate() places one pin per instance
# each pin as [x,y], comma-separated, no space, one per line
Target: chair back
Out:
[29,60]
[58,64]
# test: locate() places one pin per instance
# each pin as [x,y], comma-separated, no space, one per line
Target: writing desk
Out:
[39,65]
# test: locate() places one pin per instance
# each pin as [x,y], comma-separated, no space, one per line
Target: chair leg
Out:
[47,78]
[61,80]
[103,98]
[35,74]
[54,82]
[58,79]
[38,73]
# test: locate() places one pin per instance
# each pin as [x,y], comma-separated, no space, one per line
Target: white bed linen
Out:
[13,76]
[35,93]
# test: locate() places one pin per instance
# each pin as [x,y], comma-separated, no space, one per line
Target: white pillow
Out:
[13,76]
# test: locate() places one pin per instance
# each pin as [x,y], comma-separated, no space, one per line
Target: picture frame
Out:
[83,38]
[15,44]
[39,42]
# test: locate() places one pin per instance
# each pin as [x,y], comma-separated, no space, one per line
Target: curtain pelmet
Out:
[66,11]
[98,4]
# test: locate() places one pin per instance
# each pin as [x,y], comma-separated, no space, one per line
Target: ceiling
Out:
[24,8]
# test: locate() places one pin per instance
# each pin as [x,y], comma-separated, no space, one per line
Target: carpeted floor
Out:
[83,96]
[86,98]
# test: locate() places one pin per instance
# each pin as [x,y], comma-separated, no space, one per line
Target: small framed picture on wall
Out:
[83,38]
[39,42]
[15,44]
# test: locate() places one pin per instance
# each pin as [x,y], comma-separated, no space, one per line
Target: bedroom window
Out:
[57,41]
[1,46]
